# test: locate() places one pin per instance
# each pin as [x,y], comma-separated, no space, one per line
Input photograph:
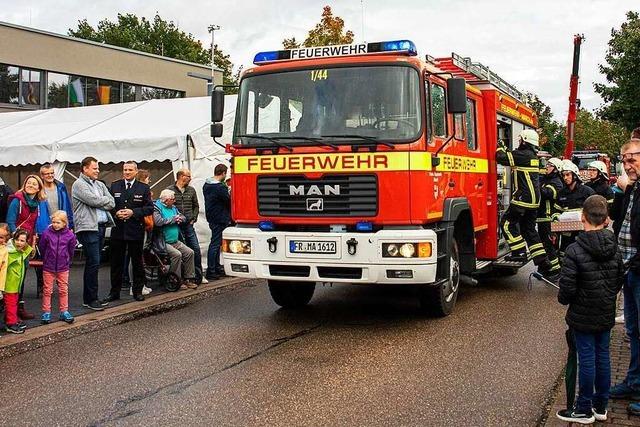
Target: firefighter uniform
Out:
[519,221]
[600,184]
[550,187]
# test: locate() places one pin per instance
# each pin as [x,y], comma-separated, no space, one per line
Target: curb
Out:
[11,345]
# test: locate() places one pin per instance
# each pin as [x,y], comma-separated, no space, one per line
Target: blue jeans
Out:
[91,242]
[594,369]
[631,308]
[191,240]
[213,254]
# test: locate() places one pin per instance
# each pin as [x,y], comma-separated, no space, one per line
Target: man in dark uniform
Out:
[217,207]
[599,180]
[519,221]
[550,186]
[571,197]
[133,203]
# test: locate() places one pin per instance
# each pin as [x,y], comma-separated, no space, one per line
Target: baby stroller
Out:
[156,267]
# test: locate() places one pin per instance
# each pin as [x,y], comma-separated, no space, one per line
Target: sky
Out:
[530,45]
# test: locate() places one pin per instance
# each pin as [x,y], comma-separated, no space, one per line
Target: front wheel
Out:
[440,300]
[291,294]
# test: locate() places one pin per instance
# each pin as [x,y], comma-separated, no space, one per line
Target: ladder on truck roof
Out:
[474,73]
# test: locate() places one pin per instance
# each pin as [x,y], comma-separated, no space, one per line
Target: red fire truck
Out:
[365,164]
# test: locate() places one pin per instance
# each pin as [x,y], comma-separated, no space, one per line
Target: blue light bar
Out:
[399,45]
[266,226]
[395,46]
[364,226]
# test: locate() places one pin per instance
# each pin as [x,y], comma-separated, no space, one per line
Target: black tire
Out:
[291,294]
[171,282]
[440,300]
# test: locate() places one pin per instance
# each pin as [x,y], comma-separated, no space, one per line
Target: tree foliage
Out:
[329,31]
[593,133]
[552,132]
[621,71]
[158,37]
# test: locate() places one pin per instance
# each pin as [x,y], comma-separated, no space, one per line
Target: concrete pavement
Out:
[355,356]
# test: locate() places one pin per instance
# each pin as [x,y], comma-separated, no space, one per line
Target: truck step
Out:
[482,264]
[512,264]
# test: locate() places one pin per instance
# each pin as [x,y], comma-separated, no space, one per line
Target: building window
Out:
[158,93]
[9,84]
[77,91]
[128,92]
[30,87]
[57,90]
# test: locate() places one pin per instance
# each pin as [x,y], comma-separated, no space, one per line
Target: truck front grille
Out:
[331,195]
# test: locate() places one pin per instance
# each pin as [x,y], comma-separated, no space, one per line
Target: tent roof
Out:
[141,131]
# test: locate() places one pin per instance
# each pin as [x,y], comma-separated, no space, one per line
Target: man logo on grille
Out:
[315,204]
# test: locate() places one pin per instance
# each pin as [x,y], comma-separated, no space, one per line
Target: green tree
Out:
[158,37]
[329,31]
[621,71]
[593,133]
[552,132]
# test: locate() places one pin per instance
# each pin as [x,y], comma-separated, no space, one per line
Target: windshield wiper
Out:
[268,138]
[312,139]
[364,137]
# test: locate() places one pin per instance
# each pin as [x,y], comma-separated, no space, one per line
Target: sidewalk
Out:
[86,320]
[617,408]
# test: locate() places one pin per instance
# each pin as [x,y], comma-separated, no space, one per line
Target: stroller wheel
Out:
[171,282]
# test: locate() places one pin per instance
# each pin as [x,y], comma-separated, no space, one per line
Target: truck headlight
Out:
[406,250]
[235,246]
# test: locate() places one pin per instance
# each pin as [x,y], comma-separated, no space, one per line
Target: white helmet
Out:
[530,136]
[600,167]
[569,166]
[556,163]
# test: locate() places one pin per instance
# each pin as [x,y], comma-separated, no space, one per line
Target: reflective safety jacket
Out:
[570,200]
[601,187]
[524,165]
[550,187]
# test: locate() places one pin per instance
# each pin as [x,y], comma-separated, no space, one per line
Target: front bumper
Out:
[366,265]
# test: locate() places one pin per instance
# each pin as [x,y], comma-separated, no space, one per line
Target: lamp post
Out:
[212,29]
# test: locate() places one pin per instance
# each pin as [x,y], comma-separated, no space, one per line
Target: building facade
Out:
[39,69]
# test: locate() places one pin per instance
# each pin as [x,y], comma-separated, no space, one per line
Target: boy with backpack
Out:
[591,277]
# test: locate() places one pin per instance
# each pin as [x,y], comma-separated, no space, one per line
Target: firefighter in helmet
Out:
[550,186]
[599,180]
[571,198]
[519,221]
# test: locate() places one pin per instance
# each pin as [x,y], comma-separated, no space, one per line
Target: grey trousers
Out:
[181,258]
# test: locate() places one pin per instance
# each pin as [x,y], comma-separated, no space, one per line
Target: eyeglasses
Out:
[628,157]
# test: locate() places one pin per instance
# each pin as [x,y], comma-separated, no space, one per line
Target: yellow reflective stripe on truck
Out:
[361,162]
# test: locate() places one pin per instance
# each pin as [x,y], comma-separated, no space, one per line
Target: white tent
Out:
[175,131]
[153,130]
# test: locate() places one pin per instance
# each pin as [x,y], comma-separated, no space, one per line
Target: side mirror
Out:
[216,130]
[456,96]
[217,105]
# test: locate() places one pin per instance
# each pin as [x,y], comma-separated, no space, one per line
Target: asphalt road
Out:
[355,356]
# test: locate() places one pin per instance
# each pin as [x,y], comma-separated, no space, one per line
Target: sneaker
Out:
[14,329]
[45,319]
[623,391]
[620,319]
[146,290]
[22,325]
[95,305]
[204,281]
[65,316]
[600,414]
[575,416]
[183,287]
[191,285]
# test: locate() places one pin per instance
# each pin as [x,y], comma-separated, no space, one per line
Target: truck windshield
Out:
[346,105]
